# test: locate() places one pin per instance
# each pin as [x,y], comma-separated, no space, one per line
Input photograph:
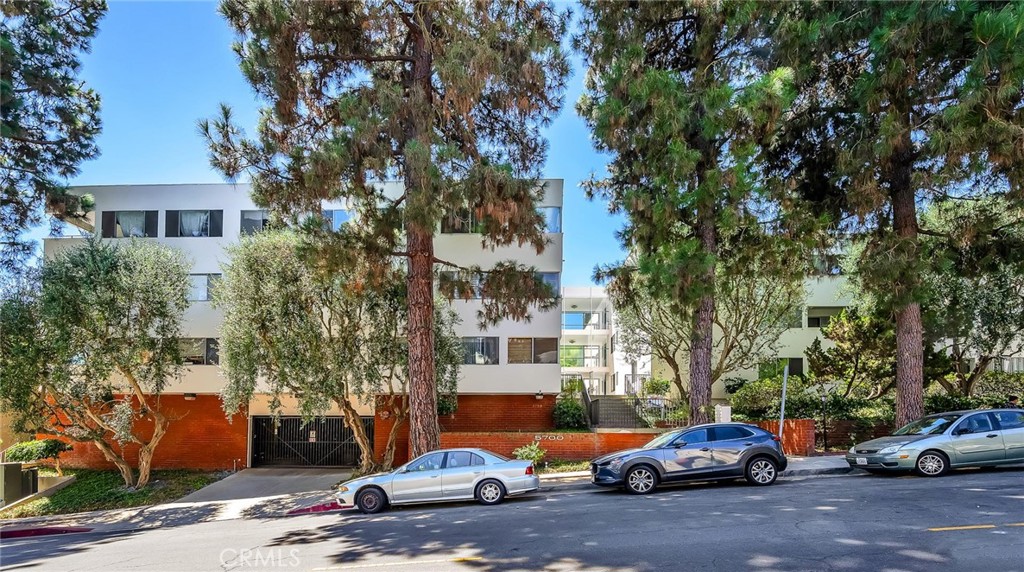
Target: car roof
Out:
[729,424]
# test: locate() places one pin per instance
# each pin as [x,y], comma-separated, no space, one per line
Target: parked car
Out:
[932,445]
[714,451]
[440,476]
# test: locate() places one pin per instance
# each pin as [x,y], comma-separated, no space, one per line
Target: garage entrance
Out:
[322,442]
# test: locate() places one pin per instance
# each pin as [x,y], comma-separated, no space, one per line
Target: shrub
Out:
[655,386]
[531,452]
[569,414]
[733,384]
[34,451]
[998,385]
[447,404]
[939,402]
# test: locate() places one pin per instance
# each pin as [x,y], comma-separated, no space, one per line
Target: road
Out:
[969,520]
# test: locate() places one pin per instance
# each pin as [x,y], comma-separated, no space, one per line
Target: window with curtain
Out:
[194,223]
[130,223]
[520,350]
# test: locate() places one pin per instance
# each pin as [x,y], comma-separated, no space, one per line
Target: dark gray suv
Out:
[703,452]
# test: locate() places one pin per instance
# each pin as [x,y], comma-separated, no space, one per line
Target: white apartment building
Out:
[588,349]
[201,220]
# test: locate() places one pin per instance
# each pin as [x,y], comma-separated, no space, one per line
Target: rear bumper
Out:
[523,484]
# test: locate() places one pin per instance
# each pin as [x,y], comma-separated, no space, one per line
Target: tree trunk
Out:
[424,431]
[909,329]
[56,467]
[355,424]
[122,466]
[147,450]
[703,326]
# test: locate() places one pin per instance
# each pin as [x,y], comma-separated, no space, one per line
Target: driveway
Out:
[267,482]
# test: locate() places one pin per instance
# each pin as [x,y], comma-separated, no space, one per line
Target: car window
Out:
[978,423]
[1010,419]
[477,460]
[927,426]
[726,433]
[457,459]
[661,440]
[428,462]
[691,437]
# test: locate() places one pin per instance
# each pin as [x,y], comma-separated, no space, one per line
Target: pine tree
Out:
[902,103]
[675,94]
[48,118]
[447,97]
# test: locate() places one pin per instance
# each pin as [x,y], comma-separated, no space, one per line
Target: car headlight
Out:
[343,489]
[890,449]
[616,464]
[853,450]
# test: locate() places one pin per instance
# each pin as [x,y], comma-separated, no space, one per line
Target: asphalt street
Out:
[969,520]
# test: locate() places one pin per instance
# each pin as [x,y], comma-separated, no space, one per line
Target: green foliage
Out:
[105,490]
[290,329]
[50,119]
[761,399]
[569,414]
[940,402]
[105,321]
[999,385]
[531,452]
[38,450]
[655,386]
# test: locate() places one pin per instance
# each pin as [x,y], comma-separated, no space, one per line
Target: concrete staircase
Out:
[615,412]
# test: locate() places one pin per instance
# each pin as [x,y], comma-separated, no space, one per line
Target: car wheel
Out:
[761,471]
[932,464]
[371,501]
[490,492]
[641,480]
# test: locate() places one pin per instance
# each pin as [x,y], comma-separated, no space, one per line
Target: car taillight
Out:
[529,469]
[775,438]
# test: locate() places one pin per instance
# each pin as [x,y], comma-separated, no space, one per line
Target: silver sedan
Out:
[440,476]
[934,444]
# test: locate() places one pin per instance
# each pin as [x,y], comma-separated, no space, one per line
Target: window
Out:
[532,350]
[776,367]
[976,423]
[691,437]
[254,221]
[336,217]
[1010,419]
[128,224]
[462,221]
[582,320]
[819,317]
[551,279]
[552,218]
[480,351]
[726,433]
[458,459]
[796,319]
[428,462]
[202,287]
[200,351]
[475,291]
[581,356]
[194,223]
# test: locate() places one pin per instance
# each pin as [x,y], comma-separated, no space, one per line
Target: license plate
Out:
[862,461]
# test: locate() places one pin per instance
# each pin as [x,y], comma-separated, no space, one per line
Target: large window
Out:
[200,351]
[551,279]
[532,350]
[473,292]
[552,218]
[202,286]
[254,221]
[195,223]
[581,356]
[480,351]
[776,367]
[582,320]
[819,317]
[128,224]
[462,221]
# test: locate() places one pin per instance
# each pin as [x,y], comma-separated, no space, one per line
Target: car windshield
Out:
[662,440]
[927,426]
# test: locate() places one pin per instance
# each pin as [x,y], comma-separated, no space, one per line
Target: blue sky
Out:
[161,66]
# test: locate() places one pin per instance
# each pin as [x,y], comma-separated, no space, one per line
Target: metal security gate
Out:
[323,442]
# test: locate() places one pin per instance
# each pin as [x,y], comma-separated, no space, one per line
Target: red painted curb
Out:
[39,531]
[326,507]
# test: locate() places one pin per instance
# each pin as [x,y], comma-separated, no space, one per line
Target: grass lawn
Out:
[563,467]
[101,490]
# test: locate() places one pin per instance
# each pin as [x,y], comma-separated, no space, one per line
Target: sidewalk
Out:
[184,513]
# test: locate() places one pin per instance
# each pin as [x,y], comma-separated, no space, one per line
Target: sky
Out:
[159,67]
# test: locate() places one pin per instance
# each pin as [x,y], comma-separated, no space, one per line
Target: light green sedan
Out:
[933,445]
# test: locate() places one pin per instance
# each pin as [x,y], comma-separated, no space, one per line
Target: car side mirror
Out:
[964,431]
[679,444]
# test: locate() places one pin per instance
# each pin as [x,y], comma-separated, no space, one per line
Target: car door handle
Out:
[478,472]
[434,476]
[991,435]
[747,444]
[705,449]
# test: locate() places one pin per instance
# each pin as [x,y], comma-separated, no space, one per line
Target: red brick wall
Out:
[560,446]
[475,413]
[797,438]
[848,432]
[199,436]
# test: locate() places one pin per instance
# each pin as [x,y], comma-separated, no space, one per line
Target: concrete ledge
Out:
[53,485]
